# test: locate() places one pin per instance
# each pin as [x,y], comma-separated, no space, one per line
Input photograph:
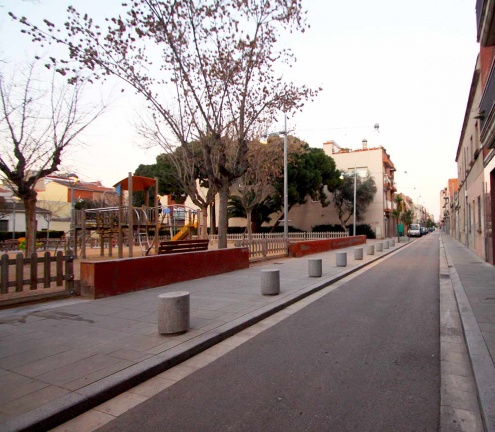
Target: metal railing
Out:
[291,236]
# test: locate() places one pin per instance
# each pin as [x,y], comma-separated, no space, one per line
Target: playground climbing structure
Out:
[127,225]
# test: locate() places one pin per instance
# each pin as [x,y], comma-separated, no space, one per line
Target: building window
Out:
[4,225]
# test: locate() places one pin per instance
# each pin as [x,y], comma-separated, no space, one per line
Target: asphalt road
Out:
[365,357]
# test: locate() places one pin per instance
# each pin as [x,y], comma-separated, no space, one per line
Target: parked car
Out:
[414,230]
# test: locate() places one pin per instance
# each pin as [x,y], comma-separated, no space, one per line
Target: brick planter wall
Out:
[308,247]
[113,277]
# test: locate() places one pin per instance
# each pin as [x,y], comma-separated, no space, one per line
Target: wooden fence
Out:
[32,274]
[264,247]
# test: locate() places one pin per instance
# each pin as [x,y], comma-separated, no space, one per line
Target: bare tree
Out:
[186,167]
[217,62]
[36,127]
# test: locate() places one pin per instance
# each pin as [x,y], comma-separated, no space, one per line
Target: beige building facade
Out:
[377,162]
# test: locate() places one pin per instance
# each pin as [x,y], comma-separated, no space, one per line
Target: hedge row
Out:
[4,235]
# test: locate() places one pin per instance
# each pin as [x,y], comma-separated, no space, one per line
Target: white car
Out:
[414,230]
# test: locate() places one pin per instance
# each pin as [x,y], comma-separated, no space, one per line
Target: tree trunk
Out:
[249,223]
[30,213]
[213,219]
[223,221]
[203,224]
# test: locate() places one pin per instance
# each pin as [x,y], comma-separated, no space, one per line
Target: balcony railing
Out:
[479,16]
[487,100]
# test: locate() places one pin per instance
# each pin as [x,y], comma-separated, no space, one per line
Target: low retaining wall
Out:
[308,247]
[113,277]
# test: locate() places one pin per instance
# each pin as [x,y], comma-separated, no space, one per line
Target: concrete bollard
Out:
[270,282]
[370,249]
[392,242]
[386,244]
[341,259]
[358,253]
[315,267]
[173,312]
[379,247]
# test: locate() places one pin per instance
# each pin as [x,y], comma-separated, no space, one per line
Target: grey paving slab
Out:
[104,347]
[52,362]
[30,356]
[77,370]
[101,372]
[474,282]
[32,400]
[15,386]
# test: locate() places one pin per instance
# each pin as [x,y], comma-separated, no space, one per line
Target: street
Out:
[365,357]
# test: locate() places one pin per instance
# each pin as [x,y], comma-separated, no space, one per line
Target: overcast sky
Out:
[404,65]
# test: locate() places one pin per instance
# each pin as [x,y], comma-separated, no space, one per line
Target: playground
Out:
[127,230]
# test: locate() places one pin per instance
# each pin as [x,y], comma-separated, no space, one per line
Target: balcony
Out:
[487,103]
[484,22]
[479,12]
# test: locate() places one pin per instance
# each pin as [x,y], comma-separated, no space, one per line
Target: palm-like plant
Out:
[398,211]
[407,218]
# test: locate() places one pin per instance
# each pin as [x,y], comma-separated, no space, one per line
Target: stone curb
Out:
[86,398]
[481,361]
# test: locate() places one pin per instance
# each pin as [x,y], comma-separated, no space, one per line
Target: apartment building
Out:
[448,198]
[55,195]
[473,208]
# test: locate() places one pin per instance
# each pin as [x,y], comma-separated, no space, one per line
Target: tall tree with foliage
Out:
[343,197]
[37,125]
[408,218]
[217,61]
[311,173]
[261,213]
[163,170]
[398,212]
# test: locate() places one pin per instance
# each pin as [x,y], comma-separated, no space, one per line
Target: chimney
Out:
[365,144]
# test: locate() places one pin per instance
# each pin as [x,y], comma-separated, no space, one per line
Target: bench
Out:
[179,246]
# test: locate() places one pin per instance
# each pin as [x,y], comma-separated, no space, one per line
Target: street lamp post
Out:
[73,179]
[286,184]
[354,206]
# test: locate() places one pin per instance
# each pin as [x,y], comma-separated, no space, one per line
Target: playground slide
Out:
[184,232]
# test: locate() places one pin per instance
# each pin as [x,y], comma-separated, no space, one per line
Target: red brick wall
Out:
[113,277]
[308,247]
[486,59]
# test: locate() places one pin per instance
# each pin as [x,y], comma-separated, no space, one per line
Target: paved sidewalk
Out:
[59,359]
[473,281]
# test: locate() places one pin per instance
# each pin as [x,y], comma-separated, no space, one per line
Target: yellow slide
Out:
[184,231]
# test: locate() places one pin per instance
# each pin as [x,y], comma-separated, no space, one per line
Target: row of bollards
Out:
[270,278]
[173,309]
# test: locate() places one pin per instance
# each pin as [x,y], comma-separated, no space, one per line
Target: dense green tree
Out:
[261,213]
[398,212]
[343,197]
[408,218]
[168,183]
[311,173]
